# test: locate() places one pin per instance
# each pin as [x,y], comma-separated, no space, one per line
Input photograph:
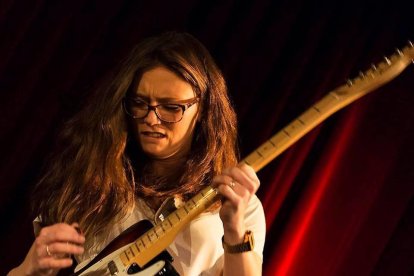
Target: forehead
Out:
[160,83]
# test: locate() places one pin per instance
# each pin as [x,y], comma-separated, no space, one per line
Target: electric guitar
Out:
[139,251]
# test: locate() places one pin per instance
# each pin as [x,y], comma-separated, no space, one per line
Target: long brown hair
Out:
[91,178]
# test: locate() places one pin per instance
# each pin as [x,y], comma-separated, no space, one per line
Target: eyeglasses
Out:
[166,112]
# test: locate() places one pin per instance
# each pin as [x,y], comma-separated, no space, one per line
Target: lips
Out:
[153,134]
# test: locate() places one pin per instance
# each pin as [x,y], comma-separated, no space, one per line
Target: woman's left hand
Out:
[237,185]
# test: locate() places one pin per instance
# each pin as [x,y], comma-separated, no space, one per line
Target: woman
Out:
[161,128]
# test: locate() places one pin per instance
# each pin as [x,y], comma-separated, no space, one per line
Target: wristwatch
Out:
[246,245]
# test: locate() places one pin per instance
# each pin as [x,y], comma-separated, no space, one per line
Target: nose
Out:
[152,118]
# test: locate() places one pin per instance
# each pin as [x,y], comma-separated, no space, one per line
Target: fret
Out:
[310,116]
[328,103]
[211,195]
[140,245]
[151,235]
[194,202]
[126,256]
[129,253]
[335,95]
[266,149]
[294,128]
[159,230]
[198,197]
[177,215]
[181,213]
[174,219]
[201,200]
[166,224]
[317,109]
[205,198]
[185,208]
[145,241]
[190,205]
[280,140]
[132,251]
[286,133]
[134,245]
[253,158]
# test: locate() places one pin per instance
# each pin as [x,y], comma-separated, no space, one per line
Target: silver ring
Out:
[232,184]
[48,251]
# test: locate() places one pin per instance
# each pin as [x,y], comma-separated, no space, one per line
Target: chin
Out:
[156,154]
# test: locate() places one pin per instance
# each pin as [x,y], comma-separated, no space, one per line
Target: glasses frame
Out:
[183,106]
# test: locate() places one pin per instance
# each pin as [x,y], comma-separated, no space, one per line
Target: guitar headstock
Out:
[378,74]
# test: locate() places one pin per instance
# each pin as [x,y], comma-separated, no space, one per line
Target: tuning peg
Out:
[399,52]
[349,82]
[374,67]
[387,60]
[361,75]
[410,43]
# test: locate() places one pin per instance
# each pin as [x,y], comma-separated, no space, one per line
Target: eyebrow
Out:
[159,100]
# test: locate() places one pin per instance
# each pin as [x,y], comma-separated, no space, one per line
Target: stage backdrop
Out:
[339,202]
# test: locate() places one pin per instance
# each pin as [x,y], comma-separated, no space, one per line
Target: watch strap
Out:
[245,246]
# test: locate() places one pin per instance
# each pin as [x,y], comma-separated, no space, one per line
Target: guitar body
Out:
[107,261]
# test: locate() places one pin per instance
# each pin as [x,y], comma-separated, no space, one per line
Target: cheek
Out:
[181,133]
[176,134]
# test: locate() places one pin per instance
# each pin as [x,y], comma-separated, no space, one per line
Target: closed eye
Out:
[171,107]
[137,103]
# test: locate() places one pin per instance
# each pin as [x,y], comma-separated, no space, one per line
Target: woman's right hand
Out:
[51,250]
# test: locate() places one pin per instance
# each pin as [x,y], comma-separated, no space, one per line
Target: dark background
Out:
[339,202]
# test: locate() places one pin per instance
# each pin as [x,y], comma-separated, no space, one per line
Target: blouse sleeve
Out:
[255,221]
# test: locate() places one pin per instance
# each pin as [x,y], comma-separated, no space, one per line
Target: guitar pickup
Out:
[112,268]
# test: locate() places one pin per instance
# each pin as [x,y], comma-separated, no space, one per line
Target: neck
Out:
[168,166]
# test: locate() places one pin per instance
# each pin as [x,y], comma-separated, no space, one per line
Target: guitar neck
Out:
[162,235]
[296,129]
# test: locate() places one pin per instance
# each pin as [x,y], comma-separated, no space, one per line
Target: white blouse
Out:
[197,250]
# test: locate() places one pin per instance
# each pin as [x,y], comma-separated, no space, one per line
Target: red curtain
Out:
[338,202]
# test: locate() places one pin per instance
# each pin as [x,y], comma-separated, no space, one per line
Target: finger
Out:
[61,232]
[230,182]
[243,179]
[230,195]
[249,172]
[61,248]
[77,228]
[222,180]
[52,263]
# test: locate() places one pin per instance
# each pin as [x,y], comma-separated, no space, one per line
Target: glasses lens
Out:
[138,109]
[170,112]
